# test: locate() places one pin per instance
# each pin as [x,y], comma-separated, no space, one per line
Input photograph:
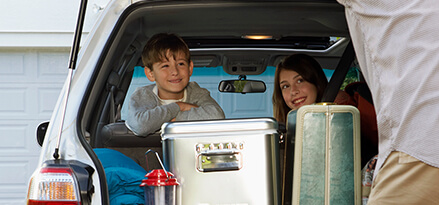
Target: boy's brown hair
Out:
[158,45]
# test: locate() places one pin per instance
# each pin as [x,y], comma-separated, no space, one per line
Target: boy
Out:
[167,61]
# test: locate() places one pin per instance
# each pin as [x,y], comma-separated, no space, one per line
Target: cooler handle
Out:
[219,160]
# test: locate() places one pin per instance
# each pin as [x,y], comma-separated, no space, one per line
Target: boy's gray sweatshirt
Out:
[146,115]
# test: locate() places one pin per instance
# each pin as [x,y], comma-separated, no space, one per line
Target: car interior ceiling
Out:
[123,51]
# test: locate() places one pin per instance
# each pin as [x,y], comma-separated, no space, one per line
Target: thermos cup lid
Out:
[157,177]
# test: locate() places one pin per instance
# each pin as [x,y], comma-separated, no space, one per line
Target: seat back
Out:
[118,135]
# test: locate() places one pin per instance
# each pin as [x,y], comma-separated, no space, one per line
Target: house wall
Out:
[35,41]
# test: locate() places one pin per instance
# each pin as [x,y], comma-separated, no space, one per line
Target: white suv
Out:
[227,39]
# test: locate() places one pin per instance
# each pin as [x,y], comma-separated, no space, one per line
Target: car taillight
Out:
[53,186]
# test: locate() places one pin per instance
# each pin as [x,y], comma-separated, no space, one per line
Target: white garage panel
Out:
[30,82]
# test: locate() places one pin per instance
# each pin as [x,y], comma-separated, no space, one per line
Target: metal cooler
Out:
[232,161]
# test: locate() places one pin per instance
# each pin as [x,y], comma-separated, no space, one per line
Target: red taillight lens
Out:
[37,202]
[53,186]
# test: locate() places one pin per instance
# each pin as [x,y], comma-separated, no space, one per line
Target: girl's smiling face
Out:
[296,91]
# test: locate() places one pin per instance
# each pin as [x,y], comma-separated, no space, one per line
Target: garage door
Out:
[30,82]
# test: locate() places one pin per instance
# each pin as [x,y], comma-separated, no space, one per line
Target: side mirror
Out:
[41,132]
[242,86]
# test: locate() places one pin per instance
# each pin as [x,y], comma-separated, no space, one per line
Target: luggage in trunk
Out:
[327,156]
[233,161]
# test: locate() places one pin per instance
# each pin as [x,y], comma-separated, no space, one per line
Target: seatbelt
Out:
[339,74]
[112,106]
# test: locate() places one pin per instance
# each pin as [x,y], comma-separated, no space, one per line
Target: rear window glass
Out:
[234,105]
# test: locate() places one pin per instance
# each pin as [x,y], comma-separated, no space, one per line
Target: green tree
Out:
[351,76]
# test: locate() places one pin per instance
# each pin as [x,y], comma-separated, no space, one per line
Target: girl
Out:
[299,80]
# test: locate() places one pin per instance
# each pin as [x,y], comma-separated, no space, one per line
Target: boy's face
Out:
[171,75]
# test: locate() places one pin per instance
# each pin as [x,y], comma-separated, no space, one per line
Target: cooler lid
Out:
[225,125]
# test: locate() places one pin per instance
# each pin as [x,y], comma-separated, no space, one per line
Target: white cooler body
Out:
[233,161]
